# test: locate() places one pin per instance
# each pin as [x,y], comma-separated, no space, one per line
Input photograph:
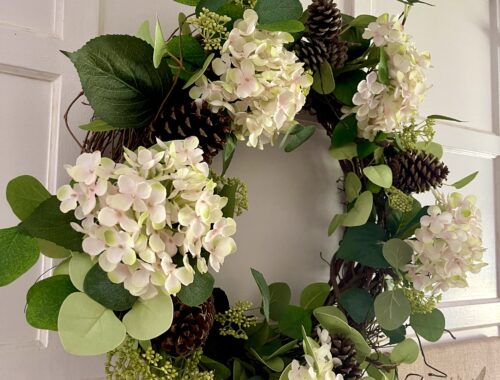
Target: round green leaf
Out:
[294,319]
[52,250]
[405,352]
[280,295]
[358,303]
[392,309]
[87,328]
[314,295]
[62,267]
[79,266]
[18,253]
[24,194]
[397,253]
[198,291]
[360,212]
[352,186]
[380,175]
[429,326]
[323,313]
[324,81]
[278,10]
[346,85]
[99,287]
[149,318]
[45,299]
[345,152]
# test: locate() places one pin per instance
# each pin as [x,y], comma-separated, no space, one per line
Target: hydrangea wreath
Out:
[144,218]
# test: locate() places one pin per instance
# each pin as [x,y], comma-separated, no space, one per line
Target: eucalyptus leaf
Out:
[398,253]
[198,291]
[228,153]
[314,295]
[392,309]
[97,125]
[429,326]
[211,5]
[87,328]
[45,299]
[358,303]
[100,288]
[352,185]
[345,152]
[120,81]
[49,249]
[465,181]
[149,318]
[365,148]
[285,375]
[361,210]
[198,74]
[79,265]
[49,223]
[403,225]
[380,175]
[220,370]
[405,352]
[275,364]
[324,313]
[362,21]
[345,131]
[24,194]
[396,336]
[294,319]
[442,117]
[144,33]
[323,79]
[290,26]
[431,147]
[283,349]
[270,11]
[336,222]
[346,85]
[264,291]
[62,268]
[298,135]
[187,47]
[18,253]
[229,191]
[383,68]
[279,298]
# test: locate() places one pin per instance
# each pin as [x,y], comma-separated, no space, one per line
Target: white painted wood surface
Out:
[292,196]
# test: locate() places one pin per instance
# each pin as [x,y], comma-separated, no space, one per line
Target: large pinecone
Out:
[325,20]
[344,356]
[338,53]
[183,118]
[190,328]
[313,52]
[416,172]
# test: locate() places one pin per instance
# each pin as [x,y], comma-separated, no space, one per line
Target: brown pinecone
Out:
[338,53]
[416,172]
[325,20]
[312,52]
[190,328]
[344,357]
[182,118]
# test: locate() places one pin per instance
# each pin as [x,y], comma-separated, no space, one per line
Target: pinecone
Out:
[338,53]
[190,328]
[416,172]
[312,52]
[344,357]
[325,20]
[183,118]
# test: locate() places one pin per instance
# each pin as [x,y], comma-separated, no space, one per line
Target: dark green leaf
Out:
[403,225]
[362,21]
[360,211]
[345,131]
[392,309]
[323,79]
[346,85]
[192,3]
[270,11]
[314,295]
[429,326]
[49,223]
[189,48]
[279,298]
[99,287]
[283,349]
[232,10]
[298,135]
[45,299]
[290,26]
[274,364]
[383,68]
[120,81]
[198,291]
[397,252]
[264,291]
[24,194]
[258,335]
[52,250]
[465,181]
[220,370]
[293,320]
[358,303]
[211,5]
[365,148]
[228,152]
[197,75]
[396,336]
[229,191]
[441,117]
[364,244]
[18,253]
[97,126]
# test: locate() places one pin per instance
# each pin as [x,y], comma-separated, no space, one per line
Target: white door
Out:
[36,85]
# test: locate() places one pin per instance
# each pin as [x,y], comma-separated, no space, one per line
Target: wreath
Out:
[145,220]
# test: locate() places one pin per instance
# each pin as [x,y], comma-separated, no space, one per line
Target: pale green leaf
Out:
[198,74]
[392,309]
[97,125]
[405,352]
[380,175]
[345,152]
[352,186]
[285,374]
[24,194]
[336,222]
[144,33]
[62,267]
[397,252]
[150,318]
[360,212]
[228,153]
[465,181]
[79,266]
[431,147]
[87,328]
[160,45]
[323,313]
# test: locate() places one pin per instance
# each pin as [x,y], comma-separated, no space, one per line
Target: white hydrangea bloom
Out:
[261,84]
[144,220]
[319,366]
[387,108]
[448,245]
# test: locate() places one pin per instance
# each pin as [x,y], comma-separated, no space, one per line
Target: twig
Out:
[66,119]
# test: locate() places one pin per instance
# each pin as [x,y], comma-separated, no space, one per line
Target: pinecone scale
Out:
[325,20]
[344,358]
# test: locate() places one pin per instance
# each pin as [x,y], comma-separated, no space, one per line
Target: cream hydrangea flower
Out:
[261,83]
[387,108]
[145,221]
[448,245]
